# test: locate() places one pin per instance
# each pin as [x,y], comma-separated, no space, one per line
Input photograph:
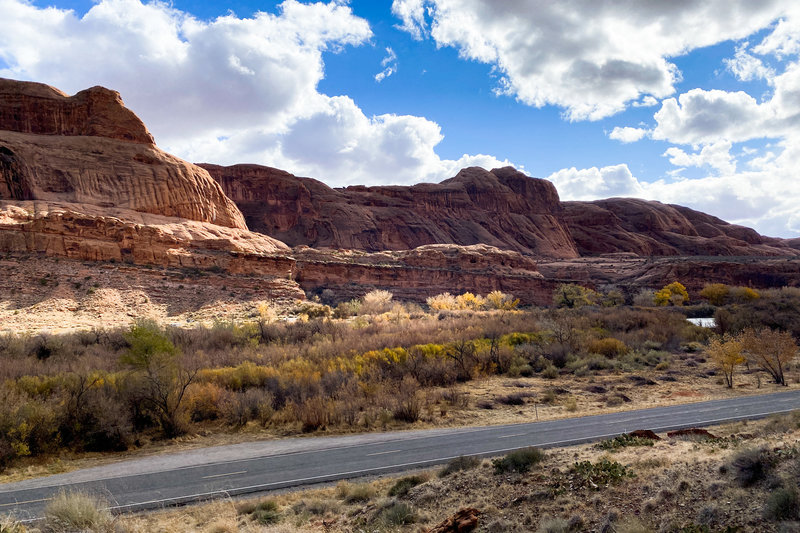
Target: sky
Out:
[693,102]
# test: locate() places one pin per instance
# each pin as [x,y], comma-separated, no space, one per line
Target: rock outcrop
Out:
[28,107]
[648,228]
[90,149]
[503,208]
[90,233]
[422,272]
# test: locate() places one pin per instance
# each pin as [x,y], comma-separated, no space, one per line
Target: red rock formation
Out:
[502,208]
[28,107]
[79,150]
[423,272]
[102,234]
[648,228]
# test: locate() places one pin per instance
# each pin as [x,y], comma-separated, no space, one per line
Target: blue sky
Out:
[696,103]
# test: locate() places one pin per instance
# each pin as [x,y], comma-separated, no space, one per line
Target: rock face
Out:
[422,272]
[503,208]
[89,149]
[648,228]
[28,107]
[90,233]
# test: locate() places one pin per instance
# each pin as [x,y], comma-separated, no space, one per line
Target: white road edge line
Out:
[223,475]
[382,453]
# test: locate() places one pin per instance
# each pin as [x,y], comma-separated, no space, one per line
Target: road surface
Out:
[184,477]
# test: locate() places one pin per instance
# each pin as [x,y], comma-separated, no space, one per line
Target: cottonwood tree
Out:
[158,376]
[726,352]
[770,349]
[573,296]
[673,294]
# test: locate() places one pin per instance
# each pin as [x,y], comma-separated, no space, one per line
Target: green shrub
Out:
[598,475]
[404,484]
[459,464]
[77,511]
[621,441]
[782,504]
[518,461]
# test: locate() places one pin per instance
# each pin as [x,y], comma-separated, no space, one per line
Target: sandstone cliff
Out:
[90,149]
[503,208]
[648,228]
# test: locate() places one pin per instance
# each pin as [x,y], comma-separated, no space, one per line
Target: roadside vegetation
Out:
[367,364]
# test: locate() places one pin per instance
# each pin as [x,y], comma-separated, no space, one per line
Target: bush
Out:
[359,493]
[459,464]
[264,512]
[621,441]
[376,302]
[783,504]
[77,511]
[609,347]
[398,514]
[750,466]
[553,525]
[598,475]
[404,484]
[518,461]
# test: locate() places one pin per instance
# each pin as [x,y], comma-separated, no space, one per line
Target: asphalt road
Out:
[149,483]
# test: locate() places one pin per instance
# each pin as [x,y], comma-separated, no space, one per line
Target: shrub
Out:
[518,461]
[501,300]
[469,301]
[621,441]
[609,347]
[264,512]
[442,302]
[77,511]
[398,514]
[553,525]
[404,484]
[598,475]
[9,525]
[782,504]
[750,466]
[459,464]
[350,493]
[376,302]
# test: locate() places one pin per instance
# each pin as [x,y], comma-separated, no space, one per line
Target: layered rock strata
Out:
[502,208]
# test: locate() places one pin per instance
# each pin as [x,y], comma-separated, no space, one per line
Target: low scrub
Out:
[596,476]
[459,464]
[519,461]
[264,512]
[405,484]
[622,441]
[77,511]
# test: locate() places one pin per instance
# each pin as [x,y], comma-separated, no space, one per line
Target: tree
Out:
[573,296]
[672,294]
[715,293]
[376,302]
[160,380]
[770,349]
[501,300]
[726,352]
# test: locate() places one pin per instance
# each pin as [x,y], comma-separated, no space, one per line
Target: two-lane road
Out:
[261,466]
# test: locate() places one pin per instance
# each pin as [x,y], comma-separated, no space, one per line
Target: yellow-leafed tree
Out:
[673,294]
[770,349]
[726,352]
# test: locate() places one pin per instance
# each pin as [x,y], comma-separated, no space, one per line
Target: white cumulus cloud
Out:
[591,58]
[627,134]
[229,90]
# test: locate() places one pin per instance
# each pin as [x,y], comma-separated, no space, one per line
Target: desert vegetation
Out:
[387,365]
